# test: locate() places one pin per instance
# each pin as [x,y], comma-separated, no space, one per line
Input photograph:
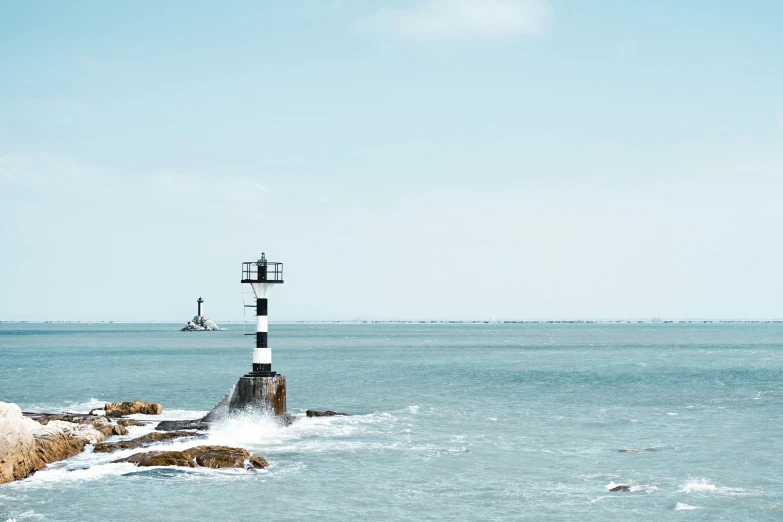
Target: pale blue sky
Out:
[436,159]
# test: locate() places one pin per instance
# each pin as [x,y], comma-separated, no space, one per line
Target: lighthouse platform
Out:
[252,394]
[259,393]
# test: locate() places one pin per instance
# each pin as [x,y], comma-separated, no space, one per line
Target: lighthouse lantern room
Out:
[261,275]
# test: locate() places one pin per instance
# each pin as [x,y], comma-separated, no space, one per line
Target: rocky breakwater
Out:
[201,324]
[30,441]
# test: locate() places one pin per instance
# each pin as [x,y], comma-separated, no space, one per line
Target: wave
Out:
[681,506]
[703,485]
[66,405]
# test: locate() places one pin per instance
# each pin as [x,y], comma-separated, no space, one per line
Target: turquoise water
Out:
[461,422]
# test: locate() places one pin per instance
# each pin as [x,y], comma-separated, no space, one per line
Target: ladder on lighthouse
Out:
[248,301]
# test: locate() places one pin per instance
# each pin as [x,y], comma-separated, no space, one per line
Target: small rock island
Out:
[199,322]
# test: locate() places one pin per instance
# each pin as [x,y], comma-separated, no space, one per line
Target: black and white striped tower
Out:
[262,389]
[262,275]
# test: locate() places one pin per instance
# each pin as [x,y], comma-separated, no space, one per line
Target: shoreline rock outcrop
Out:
[98,422]
[121,409]
[18,458]
[215,457]
[59,440]
[29,441]
[160,458]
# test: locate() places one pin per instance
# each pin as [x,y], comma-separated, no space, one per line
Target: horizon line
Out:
[419,321]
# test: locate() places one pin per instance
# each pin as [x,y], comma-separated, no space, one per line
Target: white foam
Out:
[170,415]
[26,514]
[703,485]
[68,474]
[681,506]
[71,406]
[85,407]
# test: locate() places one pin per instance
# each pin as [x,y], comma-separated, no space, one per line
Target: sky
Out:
[430,159]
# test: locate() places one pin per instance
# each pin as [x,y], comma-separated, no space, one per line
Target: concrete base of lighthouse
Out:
[259,393]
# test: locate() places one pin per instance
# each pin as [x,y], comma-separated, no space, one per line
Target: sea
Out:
[472,422]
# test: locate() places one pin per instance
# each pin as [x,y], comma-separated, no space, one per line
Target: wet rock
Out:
[201,324]
[225,457]
[327,413]
[18,458]
[121,409]
[195,424]
[130,422]
[285,419]
[160,458]
[58,440]
[146,440]
[619,489]
[118,429]
[100,423]
[215,457]
[632,450]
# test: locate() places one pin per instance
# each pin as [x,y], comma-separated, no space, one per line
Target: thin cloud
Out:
[436,20]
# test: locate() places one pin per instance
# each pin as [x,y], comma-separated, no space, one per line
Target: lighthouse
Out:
[262,389]
[262,275]
[200,308]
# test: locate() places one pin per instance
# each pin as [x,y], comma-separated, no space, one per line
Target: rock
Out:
[100,423]
[58,440]
[206,456]
[160,458]
[327,413]
[130,422]
[224,457]
[201,324]
[221,409]
[98,411]
[130,408]
[195,424]
[285,419]
[146,440]
[618,489]
[18,458]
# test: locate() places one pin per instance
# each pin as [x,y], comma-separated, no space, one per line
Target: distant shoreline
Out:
[521,321]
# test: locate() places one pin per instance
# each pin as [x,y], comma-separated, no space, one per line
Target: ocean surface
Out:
[448,421]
